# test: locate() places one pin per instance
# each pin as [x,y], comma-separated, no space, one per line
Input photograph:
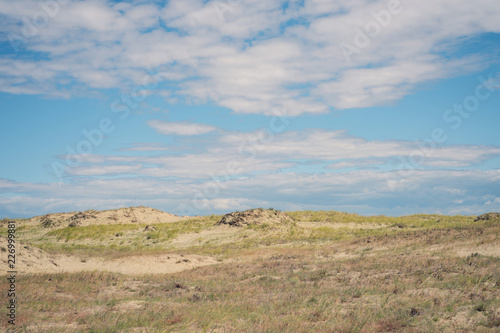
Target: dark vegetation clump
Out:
[76,219]
[87,215]
[254,217]
[48,222]
[150,228]
[487,217]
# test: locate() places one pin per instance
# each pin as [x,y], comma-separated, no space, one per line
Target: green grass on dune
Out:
[340,217]
[123,239]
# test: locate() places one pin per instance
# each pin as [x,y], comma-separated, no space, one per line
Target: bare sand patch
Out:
[32,260]
[485,250]
[129,306]
[465,248]
[215,235]
[427,292]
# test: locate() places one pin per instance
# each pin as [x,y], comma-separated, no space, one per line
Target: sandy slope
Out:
[30,259]
[115,216]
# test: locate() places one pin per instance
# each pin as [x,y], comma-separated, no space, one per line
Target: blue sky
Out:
[198,107]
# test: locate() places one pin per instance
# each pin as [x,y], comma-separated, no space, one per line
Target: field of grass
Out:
[325,272]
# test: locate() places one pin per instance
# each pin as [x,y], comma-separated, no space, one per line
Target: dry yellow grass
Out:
[328,272]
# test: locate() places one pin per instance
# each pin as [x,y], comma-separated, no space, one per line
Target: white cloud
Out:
[180,128]
[254,57]
[251,58]
[104,170]
[232,204]
[142,146]
[370,163]
[338,145]
[496,202]
[366,192]
[262,151]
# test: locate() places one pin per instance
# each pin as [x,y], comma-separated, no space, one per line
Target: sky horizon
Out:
[197,107]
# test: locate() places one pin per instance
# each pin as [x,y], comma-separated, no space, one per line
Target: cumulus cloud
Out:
[249,56]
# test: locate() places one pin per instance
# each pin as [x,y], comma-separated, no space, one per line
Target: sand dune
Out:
[32,260]
[115,216]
